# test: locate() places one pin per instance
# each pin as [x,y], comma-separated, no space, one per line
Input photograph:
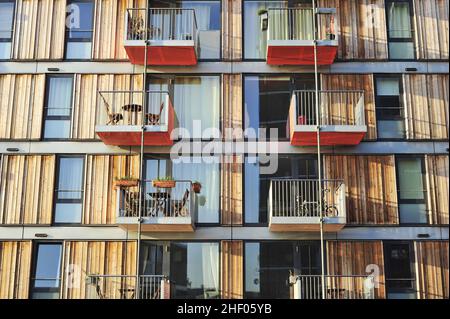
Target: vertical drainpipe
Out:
[319,162]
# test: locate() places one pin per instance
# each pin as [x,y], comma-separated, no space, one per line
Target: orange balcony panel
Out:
[300,54]
[162,54]
[302,138]
[134,138]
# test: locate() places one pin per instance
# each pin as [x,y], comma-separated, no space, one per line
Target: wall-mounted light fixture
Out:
[12,149]
[53,69]
[41,235]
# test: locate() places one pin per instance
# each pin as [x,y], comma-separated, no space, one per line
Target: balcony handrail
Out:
[175,31]
[298,24]
[336,107]
[124,107]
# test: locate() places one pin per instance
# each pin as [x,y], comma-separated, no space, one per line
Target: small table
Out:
[161,199]
[132,107]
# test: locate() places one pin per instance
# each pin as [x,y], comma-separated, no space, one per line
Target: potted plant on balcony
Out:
[263,19]
[197,187]
[127,181]
[164,182]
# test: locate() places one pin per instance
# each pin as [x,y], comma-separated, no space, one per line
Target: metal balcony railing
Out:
[336,107]
[124,287]
[298,24]
[336,287]
[175,202]
[125,107]
[300,198]
[163,24]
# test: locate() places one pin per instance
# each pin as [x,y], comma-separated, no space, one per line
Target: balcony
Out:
[170,36]
[163,209]
[336,287]
[126,116]
[341,118]
[293,205]
[290,36]
[124,287]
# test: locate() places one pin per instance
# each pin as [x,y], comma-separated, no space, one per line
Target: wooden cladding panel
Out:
[371,193]
[232,103]
[431,29]
[437,172]
[356,82]
[21,105]
[100,199]
[26,189]
[232,259]
[361,28]
[357,258]
[232,30]
[426,99]
[89,108]
[231,186]
[432,259]
[15,266]
[100,258]
[39,29]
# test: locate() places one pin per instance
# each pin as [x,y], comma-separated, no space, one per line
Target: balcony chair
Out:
[154,119]
[177,206]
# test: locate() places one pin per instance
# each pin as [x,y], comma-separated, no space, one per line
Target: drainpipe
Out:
[319,162]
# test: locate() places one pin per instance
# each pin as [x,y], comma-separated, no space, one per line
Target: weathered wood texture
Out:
[21,105]
[361,28]
[232,30]
[100,204]
[431,29]
[89,108]
[432,259]
[357,258]
[232,269]
[231,194]
[39,29]
[437,173]
[356,82]
[15,265]
[26,189]
[426,106]
[370,182]
[95,258]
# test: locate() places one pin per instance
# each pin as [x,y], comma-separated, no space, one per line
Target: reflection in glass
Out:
[47,276]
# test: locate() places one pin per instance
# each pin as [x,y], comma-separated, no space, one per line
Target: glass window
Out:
[191,169]
[80,28]
[400,34]
[268,266]
[256,197]
[389,109]
[267,101]
[194,270]
[6,28]
[69,192]
[208,18]
[196,99]
[400,281]
[47,271]
[411,192]
[58,107]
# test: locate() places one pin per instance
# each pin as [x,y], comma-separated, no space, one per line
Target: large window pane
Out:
[400,35]
[194,270]
[69,194]
[400,281]
[411,190]
[47,272]
[79,32]
[58,107]
[389,109]
[6,22]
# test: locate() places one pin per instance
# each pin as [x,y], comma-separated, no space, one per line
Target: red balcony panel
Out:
[302,138]
[162,54]
[300,54]
[134,138]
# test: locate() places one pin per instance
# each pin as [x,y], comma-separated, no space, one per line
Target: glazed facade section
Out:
[82,214]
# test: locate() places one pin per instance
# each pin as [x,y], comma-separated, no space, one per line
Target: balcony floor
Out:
[166,54]
[158,225]
[131,136]
[306,135]
[291,52]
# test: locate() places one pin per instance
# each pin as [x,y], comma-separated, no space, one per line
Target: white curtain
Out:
[6,18]
[210,265]
[70,177]
[60,96]
[399,20]
[197,98]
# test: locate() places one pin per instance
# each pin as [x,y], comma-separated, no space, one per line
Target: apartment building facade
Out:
[110,112]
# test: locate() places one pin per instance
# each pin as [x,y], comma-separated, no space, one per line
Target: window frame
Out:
[57,117]
[402,106]
[13,20]
[56,200]
[34,260]
[67,31]
[400,40]
[424,201]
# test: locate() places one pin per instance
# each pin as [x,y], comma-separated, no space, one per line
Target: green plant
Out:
[163,179]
